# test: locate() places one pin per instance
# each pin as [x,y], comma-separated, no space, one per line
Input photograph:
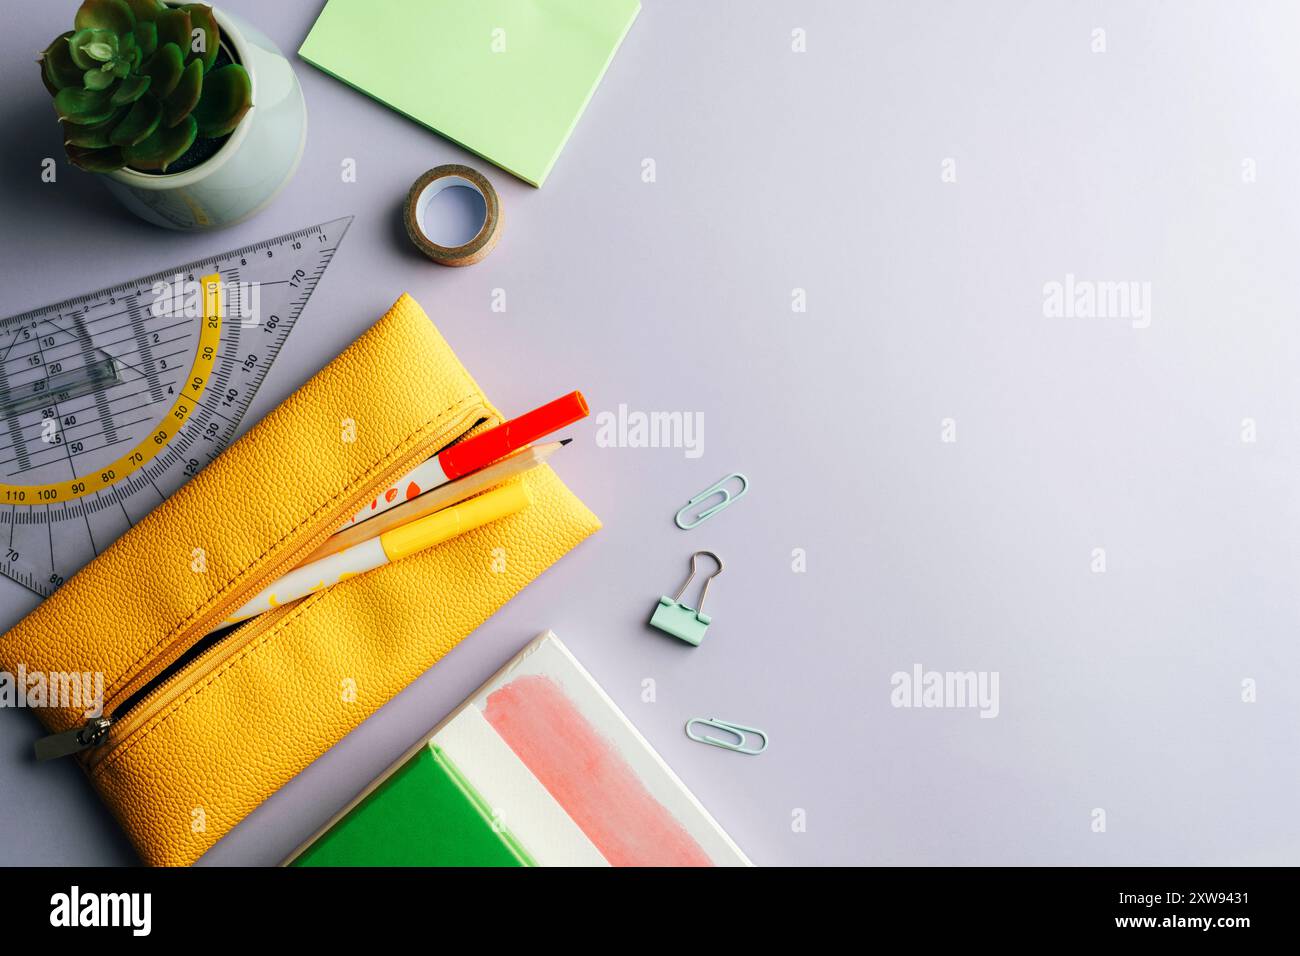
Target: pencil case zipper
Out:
[153,689]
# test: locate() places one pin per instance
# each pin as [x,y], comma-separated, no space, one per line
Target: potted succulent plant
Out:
[195,119]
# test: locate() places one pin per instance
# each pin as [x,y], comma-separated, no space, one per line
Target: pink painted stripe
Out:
[588,777]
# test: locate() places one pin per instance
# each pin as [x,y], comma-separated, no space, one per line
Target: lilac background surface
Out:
[822,171]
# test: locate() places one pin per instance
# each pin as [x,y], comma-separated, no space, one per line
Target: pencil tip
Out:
[565,441]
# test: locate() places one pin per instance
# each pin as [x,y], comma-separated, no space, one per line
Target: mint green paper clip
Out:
[739,731]
[718,488]
[686,623]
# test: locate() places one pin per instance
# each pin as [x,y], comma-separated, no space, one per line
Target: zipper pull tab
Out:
[73,741]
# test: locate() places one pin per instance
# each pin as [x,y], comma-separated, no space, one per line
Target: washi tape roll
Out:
[421,195]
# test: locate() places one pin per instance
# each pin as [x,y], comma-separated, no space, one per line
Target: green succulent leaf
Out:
[54,90]
[174,27]
[112,15]
[146,37]
[165,67]
[84,107]
[201,18]
[80,41]
[56,65]
[139,123]
[185,97]
[101,50]
[99,79]
[227,97]
[146,10]
[95,136]
[96,160]
[163,147]
[132,88]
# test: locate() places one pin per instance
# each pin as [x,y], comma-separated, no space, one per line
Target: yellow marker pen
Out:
[390,546]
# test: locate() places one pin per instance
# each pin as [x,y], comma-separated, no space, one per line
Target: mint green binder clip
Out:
[686,623]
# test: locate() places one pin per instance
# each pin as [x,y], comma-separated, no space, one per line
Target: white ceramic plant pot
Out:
[250,168]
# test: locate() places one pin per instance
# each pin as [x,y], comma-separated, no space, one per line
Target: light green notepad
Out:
[506,79]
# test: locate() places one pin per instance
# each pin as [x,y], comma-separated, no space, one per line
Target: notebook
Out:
[389,828]
[538,768]
[506,79]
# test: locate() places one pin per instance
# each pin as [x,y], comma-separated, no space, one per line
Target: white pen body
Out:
[417,481]
[310,578]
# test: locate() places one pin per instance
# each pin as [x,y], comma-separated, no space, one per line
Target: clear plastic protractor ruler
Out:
[111,401]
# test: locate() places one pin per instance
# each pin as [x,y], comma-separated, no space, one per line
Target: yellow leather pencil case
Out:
[196,733]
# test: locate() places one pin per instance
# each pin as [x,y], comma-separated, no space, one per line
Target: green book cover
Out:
[506,79]
[424,814]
